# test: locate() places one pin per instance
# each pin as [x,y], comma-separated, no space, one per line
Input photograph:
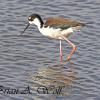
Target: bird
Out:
[58,28]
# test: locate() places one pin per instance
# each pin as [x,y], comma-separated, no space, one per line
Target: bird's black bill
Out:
[25,28]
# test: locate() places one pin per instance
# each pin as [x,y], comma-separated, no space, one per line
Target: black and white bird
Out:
[56,28]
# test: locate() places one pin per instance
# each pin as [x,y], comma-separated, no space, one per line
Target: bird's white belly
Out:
[55,33]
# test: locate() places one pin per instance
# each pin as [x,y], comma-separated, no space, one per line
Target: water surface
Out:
[33,60]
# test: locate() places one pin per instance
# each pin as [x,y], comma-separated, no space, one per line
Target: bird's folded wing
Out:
[62,23]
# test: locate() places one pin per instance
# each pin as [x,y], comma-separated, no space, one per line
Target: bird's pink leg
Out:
[61,54]
[73,50]
[72,45]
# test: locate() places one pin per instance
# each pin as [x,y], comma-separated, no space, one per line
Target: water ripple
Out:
[33,60]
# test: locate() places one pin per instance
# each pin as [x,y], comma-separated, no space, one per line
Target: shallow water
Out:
[32,60]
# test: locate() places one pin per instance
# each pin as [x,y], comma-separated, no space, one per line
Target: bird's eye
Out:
[29,18]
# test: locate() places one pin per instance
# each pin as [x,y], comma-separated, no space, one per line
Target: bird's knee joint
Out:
[74,48]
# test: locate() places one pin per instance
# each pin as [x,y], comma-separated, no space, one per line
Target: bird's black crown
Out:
[33,16]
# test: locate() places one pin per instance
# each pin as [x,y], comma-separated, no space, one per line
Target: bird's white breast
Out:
[50,32]
[55,33]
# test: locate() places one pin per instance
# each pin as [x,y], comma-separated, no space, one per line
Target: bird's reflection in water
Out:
[57,79]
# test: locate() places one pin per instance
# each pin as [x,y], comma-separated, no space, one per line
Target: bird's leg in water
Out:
[61,53]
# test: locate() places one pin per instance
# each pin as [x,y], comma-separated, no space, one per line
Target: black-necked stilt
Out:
[57,28]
